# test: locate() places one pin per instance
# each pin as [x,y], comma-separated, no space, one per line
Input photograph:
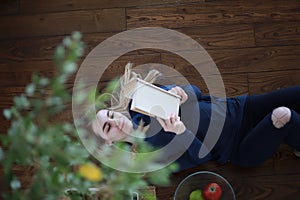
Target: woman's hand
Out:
[172,124]
[180,92]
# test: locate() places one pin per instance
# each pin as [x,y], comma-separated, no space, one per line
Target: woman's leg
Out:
[263,140]
[258,106]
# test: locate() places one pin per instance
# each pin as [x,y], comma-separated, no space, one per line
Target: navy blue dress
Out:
[217,118]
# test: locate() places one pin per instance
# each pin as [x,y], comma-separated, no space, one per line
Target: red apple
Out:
[212,191]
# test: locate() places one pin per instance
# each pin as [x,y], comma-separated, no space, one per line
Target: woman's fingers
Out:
[162,123]
[180,92]
[172,124]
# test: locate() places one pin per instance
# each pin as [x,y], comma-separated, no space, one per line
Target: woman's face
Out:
[112,126]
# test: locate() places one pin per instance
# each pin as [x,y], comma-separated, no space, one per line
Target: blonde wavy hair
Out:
[118,101]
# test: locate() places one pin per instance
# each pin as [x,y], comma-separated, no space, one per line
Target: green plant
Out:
[52,148]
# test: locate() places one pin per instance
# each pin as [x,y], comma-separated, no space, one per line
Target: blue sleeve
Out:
[137,118]
[192,91]
[183,148]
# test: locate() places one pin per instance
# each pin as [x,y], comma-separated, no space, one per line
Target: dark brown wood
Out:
[8,7]
[268,81]
[260,59]
[245,60]
[218,12]
[270,34]
[36,6]
[222,36]
[41,48]
[255,45]
[62,23]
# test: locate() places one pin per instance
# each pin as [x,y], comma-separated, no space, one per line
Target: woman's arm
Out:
[184,149]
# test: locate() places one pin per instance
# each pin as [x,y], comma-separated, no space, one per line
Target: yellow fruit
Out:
[90,172]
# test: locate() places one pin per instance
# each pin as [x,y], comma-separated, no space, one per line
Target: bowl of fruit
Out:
[204,185]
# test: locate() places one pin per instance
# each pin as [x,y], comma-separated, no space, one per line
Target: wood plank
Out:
[230,61]
[6,98]
[262,59]
[29,49]
[270,34]
[19,73]
[224,28]
[183,16]
[267,81]
[247,60]
[222,36]
[43,48]
[234,36]
[212,13]
[283,160]
[107,20]
[267,187]
[8,7]
[36,6]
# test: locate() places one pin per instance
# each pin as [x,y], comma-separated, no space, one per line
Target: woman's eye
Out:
[112,115]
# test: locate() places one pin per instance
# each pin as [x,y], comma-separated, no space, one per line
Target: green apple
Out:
[196,195]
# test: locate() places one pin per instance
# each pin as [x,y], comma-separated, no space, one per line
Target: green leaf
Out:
[79,51]
[69,67]
[30,89]
[67,127]
[21,102]
[35,78]
[79,97]
[15,184]
[50,101]
[1,154]
[7,113]
[76,35]
[59,53]
[43,81]
[67,41]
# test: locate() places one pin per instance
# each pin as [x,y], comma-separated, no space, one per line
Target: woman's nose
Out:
[113,122]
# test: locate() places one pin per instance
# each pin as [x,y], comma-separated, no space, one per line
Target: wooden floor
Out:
[255,45]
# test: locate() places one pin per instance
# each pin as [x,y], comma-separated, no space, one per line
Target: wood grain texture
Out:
[245,60]
[42,48]
[255,45]
[270,34]
[36,6]
[218,12]
[222,36]
[265,82]
[260,59]
[62,23]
